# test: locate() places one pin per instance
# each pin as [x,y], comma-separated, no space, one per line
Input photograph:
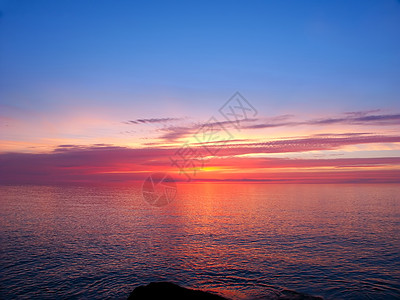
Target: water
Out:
[240,240]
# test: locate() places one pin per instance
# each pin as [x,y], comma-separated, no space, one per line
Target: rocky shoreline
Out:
[168,290]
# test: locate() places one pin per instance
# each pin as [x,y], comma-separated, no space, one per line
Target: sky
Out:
[111,91]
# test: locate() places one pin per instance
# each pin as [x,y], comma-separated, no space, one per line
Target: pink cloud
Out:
[108,163]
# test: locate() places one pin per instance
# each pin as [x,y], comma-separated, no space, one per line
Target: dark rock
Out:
[167,290]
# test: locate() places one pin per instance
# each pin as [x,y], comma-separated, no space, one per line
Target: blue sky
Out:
[296,55]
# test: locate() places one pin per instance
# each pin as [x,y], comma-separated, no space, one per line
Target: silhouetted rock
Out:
[167,290]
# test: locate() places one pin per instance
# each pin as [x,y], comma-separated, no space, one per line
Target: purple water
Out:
[240,240]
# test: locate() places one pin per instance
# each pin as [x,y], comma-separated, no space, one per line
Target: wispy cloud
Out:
[108,163]
[304,144]
[174,133]
[152,121]
[361,113]
[352,118]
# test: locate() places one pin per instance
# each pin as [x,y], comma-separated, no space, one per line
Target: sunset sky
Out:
[111,91]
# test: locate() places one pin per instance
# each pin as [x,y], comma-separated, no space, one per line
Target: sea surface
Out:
[243,241]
